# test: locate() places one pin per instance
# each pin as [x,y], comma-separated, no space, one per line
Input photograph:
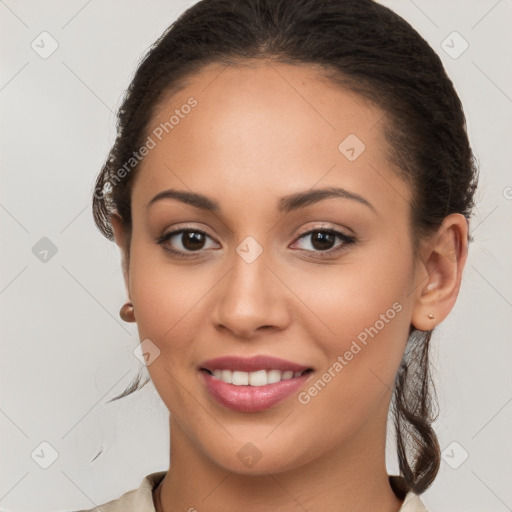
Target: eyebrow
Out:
[286,204]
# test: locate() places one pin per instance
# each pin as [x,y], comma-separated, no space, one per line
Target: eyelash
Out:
[347,240]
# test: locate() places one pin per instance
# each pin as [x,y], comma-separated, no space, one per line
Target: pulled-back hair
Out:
[365,48]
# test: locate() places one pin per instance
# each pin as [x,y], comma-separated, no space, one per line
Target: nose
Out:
[251,299]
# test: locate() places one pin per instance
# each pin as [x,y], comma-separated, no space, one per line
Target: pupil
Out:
[322,240]
[192,240]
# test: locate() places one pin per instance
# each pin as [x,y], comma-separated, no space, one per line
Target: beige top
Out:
[141,499]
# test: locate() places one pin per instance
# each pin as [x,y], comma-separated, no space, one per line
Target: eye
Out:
[323,241]
[183,241]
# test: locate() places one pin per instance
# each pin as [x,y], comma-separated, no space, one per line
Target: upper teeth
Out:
[258,378]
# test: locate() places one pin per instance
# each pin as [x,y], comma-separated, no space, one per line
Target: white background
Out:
[65,351]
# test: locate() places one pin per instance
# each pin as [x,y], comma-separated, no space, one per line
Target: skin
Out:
[258,133]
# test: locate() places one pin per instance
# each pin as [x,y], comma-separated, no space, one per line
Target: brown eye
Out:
[323,241]
[184,242]
[192,240]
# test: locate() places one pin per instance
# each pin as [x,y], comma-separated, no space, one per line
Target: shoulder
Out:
[139,500]
[412,502]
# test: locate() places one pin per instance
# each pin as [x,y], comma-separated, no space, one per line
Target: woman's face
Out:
[255,283]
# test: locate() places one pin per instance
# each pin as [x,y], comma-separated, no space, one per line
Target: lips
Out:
[253,384]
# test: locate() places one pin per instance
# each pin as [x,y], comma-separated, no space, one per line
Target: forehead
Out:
[265,130]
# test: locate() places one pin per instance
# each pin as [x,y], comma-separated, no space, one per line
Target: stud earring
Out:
[431,316]
[127,312]
[431,286]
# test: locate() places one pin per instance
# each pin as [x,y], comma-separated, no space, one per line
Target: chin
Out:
[257,458]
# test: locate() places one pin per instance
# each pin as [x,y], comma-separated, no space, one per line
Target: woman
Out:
[290,189]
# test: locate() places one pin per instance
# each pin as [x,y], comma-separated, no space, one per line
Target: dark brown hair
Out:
[366,48]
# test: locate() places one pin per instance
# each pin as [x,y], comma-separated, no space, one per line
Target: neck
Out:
[352,477]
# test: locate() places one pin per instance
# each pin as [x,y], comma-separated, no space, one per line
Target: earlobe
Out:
[443,261]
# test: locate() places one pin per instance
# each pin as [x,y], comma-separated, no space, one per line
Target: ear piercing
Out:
[127,312]
[430,287]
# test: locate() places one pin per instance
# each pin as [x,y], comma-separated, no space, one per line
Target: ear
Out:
[442,260]
[122,241]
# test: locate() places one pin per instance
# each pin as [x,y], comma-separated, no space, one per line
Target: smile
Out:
[254,384]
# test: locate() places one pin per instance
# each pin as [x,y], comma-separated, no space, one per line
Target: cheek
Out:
[351,296]
[168,299]
[361,323]
[156,292]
